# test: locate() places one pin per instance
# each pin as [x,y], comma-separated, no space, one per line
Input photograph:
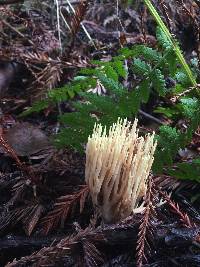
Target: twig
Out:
[58,24]
[148,116]
[49,255]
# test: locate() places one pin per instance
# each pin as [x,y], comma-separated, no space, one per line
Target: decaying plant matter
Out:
[117,167]
[57,53]
[62,209]
[146,227]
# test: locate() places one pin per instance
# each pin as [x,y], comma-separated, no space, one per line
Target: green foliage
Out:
[158,81]
[119,67]
[140,67]
[151,67]
[181,77]
[102,109]
[163,40]
[110,84]
[67,92]
[170,112]
[37,107]
[170,140]
[144,91]
[189,107]
[187,171]
[169,42]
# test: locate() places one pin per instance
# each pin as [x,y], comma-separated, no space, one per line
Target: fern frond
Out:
[111,84]
[62,94]
[145,52]
[189,107]
[163,40]
[182,78]
[37,107]
[140,67]
[99,104]
[62,208]
[171,62]
[169,141]
[120,69]
[187,171]
[158,81]
[144,90]
[110,73]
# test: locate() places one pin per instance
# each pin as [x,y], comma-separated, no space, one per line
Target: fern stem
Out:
[173,43]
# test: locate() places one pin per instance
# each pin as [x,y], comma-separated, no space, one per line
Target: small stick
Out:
[148,116]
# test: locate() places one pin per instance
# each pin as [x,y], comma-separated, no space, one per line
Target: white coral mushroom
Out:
[117,168]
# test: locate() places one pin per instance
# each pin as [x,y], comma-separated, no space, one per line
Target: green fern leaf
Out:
[37,107]
[182,78]
[171,62]
[133,102]
[158,81]
[140,67]
[189,106]
[74,120]
[99,104]
[187,171]
[162,39]
[147,53]
[112,85]
[88,71]
[110,73]
[144,90]
[72,137]
[120,69]
[169,141]
[125,53]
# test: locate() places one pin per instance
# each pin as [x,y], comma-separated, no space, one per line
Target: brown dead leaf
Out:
[26,139]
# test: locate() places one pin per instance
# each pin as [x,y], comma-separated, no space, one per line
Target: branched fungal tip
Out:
[117,168]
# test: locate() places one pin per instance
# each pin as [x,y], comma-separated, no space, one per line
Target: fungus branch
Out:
[117,167]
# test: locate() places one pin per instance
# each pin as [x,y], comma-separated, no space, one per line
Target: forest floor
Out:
[46,213]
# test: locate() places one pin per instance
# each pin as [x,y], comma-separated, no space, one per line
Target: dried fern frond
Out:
[83,243]
[27,215]
[78,16]
[117,167]
[146,227]
[47,79]
[183,216]
[62,209]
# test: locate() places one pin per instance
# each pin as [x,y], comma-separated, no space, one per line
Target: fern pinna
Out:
[151,69]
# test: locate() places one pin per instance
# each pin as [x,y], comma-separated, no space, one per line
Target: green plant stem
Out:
[172,41]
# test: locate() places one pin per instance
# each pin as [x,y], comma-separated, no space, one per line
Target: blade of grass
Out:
[173,42]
